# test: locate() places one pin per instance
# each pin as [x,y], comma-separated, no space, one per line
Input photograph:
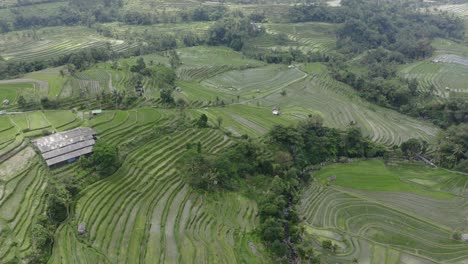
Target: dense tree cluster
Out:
[233,30]
[414,147]
[104,159]
[453,111]
[452,148]
[392,25]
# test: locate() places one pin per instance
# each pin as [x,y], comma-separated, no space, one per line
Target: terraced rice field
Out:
[386,224]
[203,62]
[8,132]
[55,41]
[458,9]
[14,127]
[449,76]
[305,93]
[145,213]
[255,82]
[28,88]
[311,36]
[340,106]
[446,71]
[445,46]
[250,120]
[174,29]
[51,79]
[62,120]
[30,121]
[21,198]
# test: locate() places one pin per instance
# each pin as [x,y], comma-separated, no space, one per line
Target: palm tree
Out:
[458,152]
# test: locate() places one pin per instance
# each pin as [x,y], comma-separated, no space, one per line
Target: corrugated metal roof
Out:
[62,139]
[66,145]
[69,155]
[67,149]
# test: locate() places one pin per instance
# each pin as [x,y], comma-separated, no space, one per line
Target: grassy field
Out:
[394,213]
[375,176]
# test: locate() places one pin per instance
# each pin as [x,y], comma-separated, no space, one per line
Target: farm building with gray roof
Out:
[66,146]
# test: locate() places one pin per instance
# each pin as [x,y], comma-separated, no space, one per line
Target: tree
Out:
[21,101]
[327,244]
[105,158]
[202,122]
[139,66]
[71,68]
[197,169]
[174,59]
[219,120]
[166,96]
[353,142]
[411,148]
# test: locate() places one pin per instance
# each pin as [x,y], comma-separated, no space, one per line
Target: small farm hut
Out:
[464,237]
[81,228]
[96,112]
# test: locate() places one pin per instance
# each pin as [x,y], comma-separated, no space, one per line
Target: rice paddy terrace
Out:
[22,182]
[15,127]
[377,213]
[300,91]
[50,42]
[446,72]
[315,37]
[214,76]
[145,213]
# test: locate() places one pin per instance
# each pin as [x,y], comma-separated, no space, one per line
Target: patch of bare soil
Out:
[16,163]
